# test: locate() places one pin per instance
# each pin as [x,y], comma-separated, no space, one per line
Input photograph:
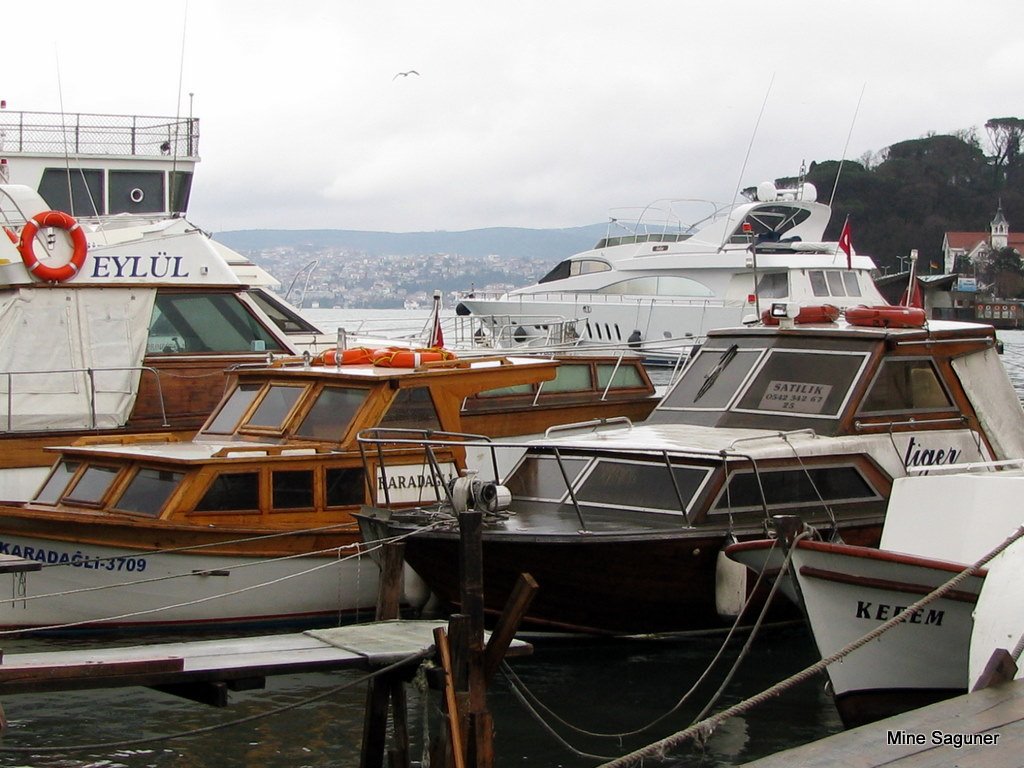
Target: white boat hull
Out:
[849,591]
[104,587]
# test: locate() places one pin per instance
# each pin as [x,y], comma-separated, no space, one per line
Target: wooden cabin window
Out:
[795,488]
[346,486]
[55,484]
[236,492]
[331,414]
[906,385]
[92,485]
[623,377]
[517,389]
[412,408]
[226,420]
[570,377]
[292,489]
[275,406]
[148,491]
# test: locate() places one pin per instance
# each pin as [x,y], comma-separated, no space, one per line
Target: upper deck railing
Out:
[82,133]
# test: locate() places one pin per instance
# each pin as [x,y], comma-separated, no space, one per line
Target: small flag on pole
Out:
[845,245]
[436,335]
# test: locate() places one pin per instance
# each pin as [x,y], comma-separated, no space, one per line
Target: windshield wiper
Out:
[710,376]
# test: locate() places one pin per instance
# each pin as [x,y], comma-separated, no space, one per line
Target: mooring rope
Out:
[703,729]
[535,706]
[419,655]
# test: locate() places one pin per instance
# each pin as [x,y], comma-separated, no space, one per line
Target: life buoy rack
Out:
[60,220]
[818,313]
[413,358]
[886,316]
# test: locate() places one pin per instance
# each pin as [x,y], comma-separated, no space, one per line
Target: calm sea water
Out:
[603,686]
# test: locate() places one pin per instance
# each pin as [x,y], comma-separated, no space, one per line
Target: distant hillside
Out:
[551,244]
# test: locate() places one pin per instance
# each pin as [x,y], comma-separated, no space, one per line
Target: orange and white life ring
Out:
[818,313]
[413,358]
[60,220]
[352,356]
[886,316]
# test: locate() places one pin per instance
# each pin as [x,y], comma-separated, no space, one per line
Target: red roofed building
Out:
[973,247]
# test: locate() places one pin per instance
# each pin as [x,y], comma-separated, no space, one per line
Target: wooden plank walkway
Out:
[359,646]
[996,713]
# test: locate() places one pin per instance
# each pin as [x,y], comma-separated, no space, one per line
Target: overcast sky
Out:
[531,113]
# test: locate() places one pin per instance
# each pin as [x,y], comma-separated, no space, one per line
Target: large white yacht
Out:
[664,285]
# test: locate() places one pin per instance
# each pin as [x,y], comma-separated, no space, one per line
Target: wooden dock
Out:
[991,718]
[204,670]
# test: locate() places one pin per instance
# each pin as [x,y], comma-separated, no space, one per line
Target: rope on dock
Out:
[703,729]
[535,707]
[418,656]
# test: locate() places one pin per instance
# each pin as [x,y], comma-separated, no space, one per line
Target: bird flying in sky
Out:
[406,74]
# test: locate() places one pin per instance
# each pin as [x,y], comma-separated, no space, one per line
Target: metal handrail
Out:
[90,375]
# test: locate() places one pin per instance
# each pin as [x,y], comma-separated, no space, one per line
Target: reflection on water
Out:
[598,686]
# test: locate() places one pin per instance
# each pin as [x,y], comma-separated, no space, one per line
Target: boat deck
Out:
[359,646]
[926,737]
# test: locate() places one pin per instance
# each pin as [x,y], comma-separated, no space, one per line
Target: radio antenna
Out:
[743,168]
[839,170]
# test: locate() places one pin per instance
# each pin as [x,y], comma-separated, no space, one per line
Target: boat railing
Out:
[90,374]
[377,441]
[582,300]
[1000,465]
[82,133]
[591,425]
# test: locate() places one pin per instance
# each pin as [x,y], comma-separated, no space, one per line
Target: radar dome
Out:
[766,192]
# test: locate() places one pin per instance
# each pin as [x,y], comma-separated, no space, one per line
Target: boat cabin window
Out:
[517,389]
[906,385]
[412,408]
[148,491]
[234,492]
[834,282]
[332,412]
[275,406]
[794,488]
[714,376]
[92,485]
[773,285]
[345,486]
[226,419]
[190,323]
[608,483]
[560,272]
[803,383]
[643,486]
[540,477]
[571,268]
[654,285]
[292,489]
[768,223]
[283,316]
[58,480]
[570,377]
[621,377]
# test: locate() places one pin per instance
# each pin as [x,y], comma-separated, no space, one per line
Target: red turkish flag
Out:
[845,245]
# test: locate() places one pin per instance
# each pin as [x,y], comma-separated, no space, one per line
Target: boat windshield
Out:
[606,482]
[765,388]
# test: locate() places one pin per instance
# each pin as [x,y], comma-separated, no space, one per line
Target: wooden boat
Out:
[248,523]
[623,528]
